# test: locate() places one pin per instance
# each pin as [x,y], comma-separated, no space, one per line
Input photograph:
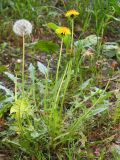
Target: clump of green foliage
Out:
[48,111]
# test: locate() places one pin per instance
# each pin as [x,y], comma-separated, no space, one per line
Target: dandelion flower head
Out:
[71,13]
[63,31]
[22,27]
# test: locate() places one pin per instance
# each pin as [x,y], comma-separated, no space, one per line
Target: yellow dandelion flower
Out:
[71,13]
[63,31]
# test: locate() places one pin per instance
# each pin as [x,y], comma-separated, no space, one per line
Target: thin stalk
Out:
[23,66]
[16,87]
[60,86]
[46,88]
[67,83]
[34,94]
[72,38]
[58,65]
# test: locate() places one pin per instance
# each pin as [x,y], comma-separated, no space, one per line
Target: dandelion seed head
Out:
[22,27]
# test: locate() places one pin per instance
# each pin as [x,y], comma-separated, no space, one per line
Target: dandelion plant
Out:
[22,28]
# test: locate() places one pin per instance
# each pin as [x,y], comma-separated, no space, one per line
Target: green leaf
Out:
[116,115]
[89,41]
[42,68]
[20,108]
[116,152]
[85,84]
[32,71]
[118,54]
[67,40]
[7,91]
[98,110]
[46,46]
[35,134]
[116,6]
[2,68]
[10,76]
[52,26]
[4,109]
[110,49]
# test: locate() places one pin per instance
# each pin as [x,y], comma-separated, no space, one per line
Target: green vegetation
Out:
[59,86]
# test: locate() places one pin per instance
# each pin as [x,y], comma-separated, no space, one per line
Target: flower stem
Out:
[72,38]
[23,66]
[16,88]
[58,65]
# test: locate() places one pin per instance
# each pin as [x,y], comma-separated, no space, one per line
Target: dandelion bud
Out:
[22,27]
[19,61]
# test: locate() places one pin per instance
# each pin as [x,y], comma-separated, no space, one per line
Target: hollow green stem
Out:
[23,66]
[34,94]
[58,65]
[16,87]
[72,38]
